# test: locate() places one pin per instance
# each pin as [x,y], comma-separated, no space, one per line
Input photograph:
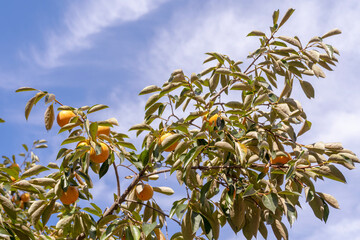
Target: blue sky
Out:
[106,51]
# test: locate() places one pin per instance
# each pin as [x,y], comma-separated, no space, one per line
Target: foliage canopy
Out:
[239,160]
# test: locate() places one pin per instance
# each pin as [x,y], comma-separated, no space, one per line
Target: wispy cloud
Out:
[83,21]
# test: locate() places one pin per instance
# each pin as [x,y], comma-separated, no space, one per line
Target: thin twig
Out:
[117,179]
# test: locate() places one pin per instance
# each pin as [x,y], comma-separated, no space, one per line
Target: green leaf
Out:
[236,218]
[225,146]
[306,127]
[141,126]
[241,86]
[148,228]
[290,172]
[2,120]
[286,16]
[34,171]
[150,89]
[307,88]
[24,89]
[103,169]
[26,186]
[186,226]
[62,223]
[329,171]
[144,157]
[204,191]
[152,100]
[170,140]
[279,230]
[43,181]
[92,211]
[291,213]
[8,207]
[292,41]
[96,108]
[127,145]
[214,80]
[106,220]
[329,199]
[36,215]
[270,201]
[93,130]
[164,190]
[192,154]
[196,219]
[331,33]
[135,232]
[48,211]
[249,191]
[241,75]
[256,33]
[234,104]
[29,106]
[275,16]
[73,139]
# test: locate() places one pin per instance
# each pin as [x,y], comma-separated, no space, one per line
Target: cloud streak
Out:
[83,22]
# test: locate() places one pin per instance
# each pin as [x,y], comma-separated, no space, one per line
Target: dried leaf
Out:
[329,199]
[313,55]
[307,88]
[225,146]
[291,40]
[318,71]
[29,106]
[331,33]
[49,117]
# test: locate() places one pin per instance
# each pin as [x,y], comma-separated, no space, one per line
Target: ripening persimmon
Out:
[64,117]
[25,197]
[212,120]
[14,165]
[171,147]
[281,158]
[100,158]
[144,192]
[70,196]
[103,130]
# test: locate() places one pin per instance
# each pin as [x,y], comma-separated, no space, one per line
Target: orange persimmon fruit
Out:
[70,196]
[144,192]
[64,117]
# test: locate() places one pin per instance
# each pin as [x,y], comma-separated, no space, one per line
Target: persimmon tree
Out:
[240,161]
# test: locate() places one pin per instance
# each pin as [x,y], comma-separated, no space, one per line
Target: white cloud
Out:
[83,21]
